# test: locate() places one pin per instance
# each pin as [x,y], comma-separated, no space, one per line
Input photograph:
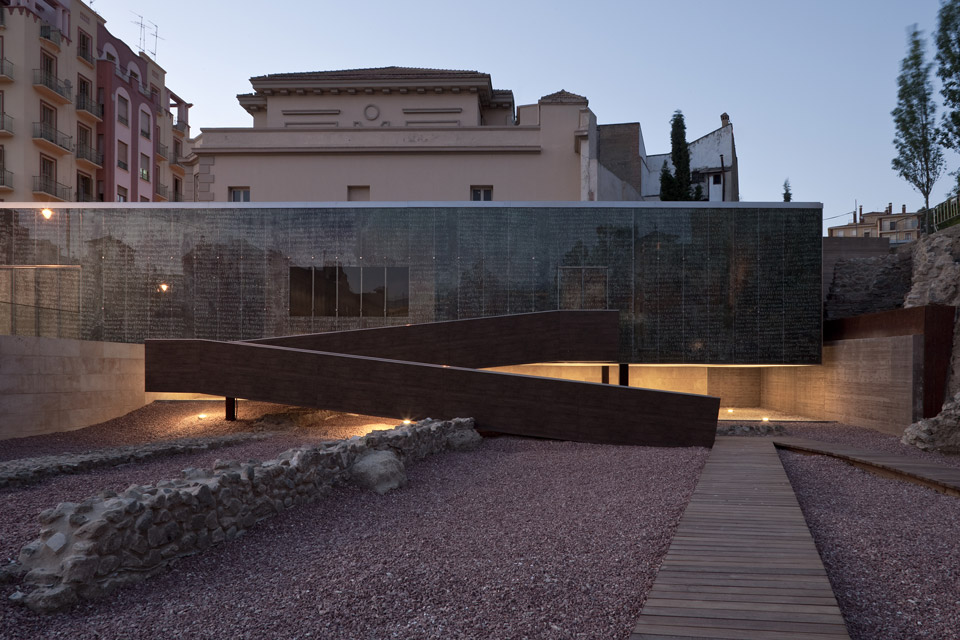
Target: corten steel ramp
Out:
[508,403]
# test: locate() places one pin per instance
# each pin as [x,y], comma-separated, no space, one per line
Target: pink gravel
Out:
[521,538]
[889,547]
[869,439]
[173,420]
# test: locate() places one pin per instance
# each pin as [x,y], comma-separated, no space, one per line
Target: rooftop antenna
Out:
[139,23]
[156,37]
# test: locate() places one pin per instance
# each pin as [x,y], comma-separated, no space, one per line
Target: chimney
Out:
[724,119]
[861,214]
[904,209]
[889,207]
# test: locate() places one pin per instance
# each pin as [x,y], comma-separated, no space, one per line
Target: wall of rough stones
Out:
[88,549]
[867,285]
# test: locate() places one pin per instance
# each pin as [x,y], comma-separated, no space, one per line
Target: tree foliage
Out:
[675,186]
[787,194]
[948,69]
[919,158]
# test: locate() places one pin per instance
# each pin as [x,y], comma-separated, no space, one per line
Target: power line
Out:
[842,215]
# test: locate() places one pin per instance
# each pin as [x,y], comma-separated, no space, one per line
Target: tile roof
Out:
[378,73]
[563,97]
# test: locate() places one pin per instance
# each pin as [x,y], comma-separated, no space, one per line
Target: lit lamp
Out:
[407,421]
[163,287]
[46,213]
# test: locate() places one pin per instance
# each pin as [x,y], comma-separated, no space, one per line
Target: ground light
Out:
[408,422]
[766,419]
[202,416]
[46,213]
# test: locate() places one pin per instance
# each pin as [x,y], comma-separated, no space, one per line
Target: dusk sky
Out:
[809,86]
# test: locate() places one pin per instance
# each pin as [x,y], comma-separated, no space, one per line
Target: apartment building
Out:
[412,134]
[63,81]
[897,227]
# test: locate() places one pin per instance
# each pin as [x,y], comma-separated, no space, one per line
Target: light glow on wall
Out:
[47,214]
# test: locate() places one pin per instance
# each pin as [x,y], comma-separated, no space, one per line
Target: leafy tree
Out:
[676,186]
[948,68]
[919,158]
[787,194]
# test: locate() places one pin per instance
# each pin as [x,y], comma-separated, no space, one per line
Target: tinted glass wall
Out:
[733,284]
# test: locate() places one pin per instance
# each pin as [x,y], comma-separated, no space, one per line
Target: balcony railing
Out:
[88,153]
[162,151]
[51,33]
[122,119]
[176,161]
[47,79]
[83,196]
[945,214]
[46,131]
[49,186]
[86,56]
[123,164]
[6,123]
[145,133]
[180,126]
[88,104]
[162,190]
[177,197]
[6,69]
[6,179]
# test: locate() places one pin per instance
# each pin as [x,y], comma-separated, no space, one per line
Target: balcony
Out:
[6,70]
[86,104]
[87,57]
[86,153]
[162,151]
[50,34]
[180,127]
[6,125]
[46,135]
[84,196]
[162,191]
[122,119]
[6,180]
[48,83]
[47,186]
[176,162]
[177,197]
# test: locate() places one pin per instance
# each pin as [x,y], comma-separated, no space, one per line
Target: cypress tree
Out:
[676,186]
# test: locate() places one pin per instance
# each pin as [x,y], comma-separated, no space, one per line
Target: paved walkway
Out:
[936,476]
[742,564]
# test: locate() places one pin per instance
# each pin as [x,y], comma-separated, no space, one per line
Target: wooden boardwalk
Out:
[930,474]
[742,564]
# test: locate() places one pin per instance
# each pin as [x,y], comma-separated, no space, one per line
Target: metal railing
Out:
[47,79]
[122,119]
[6,178]
[6,68]
[88,153]
[86,56]
[123,165]
[177,197]
[51,33]
[83,196]
[6,123]
[162,190]
[48,132]
[145,133]
[46,184]
[162,151]
[88,104]
[180,126]
[176,161]
[947,213]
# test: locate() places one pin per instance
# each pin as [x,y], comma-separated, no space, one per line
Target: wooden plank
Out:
[742,563]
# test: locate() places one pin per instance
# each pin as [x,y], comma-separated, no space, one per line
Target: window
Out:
[123,110]
[48,170]
[48,116]
[371,292]
[84,188]
[121,194]
[145,167]
[478,194]
[84,89]
[838,233]
[891,225]
[84,46]
[866,234]
[696,177]
[122,156]
[48,65]
[177,149]
[145,124]
[238,194]
[358,194]
[716,178]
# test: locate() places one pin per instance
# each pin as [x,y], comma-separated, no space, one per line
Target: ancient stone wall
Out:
[88,549]
[867,285]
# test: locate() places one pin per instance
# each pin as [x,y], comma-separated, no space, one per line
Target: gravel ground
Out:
[889,547]
[519,539]
[172,420]
[865,439]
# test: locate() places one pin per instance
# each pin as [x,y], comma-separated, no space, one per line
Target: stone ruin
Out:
[940,433]
[87,550]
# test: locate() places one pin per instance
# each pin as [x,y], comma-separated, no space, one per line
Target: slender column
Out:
[624,374]
[231,409]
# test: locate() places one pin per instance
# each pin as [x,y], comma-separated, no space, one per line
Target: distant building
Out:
[82,117]
[409,134]
[897,227]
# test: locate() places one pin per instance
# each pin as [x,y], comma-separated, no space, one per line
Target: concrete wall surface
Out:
[51,384]
[871,382]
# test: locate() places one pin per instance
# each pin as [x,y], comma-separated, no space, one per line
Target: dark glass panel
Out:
[594,288]
[301,286]
[325,291]
[373,298]
[398,292]
[571,288]
[348,291]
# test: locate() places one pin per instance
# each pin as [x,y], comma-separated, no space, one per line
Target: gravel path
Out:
[865,439]
[889,547]
[521,538]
